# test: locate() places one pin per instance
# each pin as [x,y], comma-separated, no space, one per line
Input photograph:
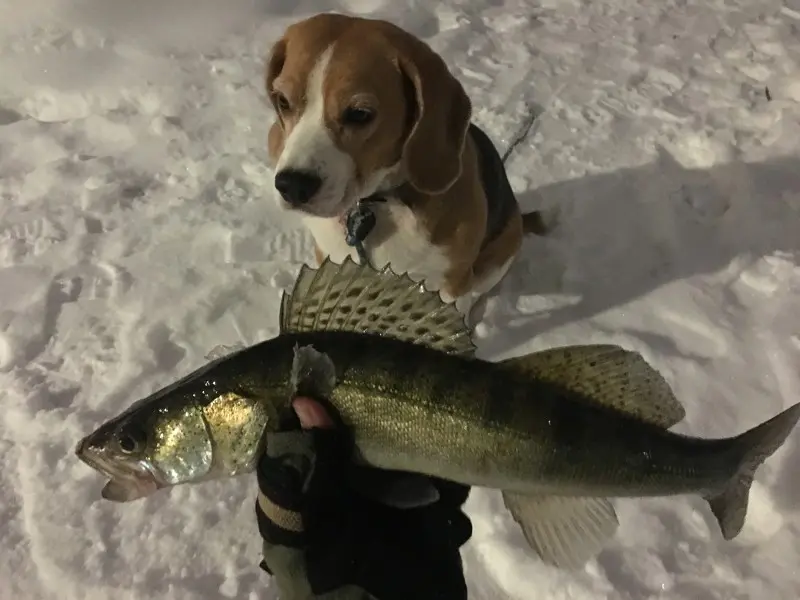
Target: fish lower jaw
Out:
[123,484]
[128,489]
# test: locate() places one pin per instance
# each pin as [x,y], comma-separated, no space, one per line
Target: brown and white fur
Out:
[363,108]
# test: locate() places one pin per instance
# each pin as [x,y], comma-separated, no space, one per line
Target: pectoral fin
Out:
[565,531]
[313,373]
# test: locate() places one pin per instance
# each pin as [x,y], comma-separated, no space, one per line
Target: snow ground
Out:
[137,233]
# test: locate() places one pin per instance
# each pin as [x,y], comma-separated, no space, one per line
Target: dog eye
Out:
[357,116]
[281,102]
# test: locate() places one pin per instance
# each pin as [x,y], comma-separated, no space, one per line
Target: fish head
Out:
[150,447]
[208,425]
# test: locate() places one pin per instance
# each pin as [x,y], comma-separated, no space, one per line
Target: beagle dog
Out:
[365,110]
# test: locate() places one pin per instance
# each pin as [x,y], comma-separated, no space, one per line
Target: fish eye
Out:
[130,439]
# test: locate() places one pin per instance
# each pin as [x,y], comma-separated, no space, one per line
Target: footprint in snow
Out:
[94,282]
[8,116]
[167,353]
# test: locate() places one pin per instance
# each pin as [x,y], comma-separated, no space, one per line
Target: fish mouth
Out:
[128,480]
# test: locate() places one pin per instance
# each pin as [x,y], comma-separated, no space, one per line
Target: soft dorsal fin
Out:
[609,375]
[359,298]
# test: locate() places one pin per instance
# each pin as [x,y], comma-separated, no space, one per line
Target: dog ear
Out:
[277,57]
[432,151]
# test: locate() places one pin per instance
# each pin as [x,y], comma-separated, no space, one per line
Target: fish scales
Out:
[451,413]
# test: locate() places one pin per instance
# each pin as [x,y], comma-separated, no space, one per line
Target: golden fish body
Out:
[558,431]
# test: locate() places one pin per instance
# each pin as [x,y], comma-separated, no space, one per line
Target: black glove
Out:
[297,470]
[347,539]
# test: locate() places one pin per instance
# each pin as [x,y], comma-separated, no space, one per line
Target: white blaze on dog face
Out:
[348,93]
[310,145]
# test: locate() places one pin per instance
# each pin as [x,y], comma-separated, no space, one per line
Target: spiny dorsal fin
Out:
[609,375]
[358,298]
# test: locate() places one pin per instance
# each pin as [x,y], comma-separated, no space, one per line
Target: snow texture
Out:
[138,231]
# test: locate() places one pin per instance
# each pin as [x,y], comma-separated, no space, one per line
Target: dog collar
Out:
[361,220]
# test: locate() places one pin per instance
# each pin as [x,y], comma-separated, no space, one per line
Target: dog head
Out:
[361,106]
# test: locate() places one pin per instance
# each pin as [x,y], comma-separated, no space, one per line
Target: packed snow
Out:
[138,230]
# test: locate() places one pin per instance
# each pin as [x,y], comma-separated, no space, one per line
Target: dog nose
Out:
[297,187]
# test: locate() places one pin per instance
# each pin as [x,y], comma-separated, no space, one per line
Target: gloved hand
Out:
[322,536]
[293,460]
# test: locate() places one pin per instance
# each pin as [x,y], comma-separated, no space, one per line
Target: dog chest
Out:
[396,239]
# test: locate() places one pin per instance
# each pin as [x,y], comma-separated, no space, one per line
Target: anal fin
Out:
[607,375]
[565,531]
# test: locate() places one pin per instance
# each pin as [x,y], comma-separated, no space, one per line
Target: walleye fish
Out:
[559,432]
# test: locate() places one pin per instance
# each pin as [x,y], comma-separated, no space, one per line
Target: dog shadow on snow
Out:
[618,236]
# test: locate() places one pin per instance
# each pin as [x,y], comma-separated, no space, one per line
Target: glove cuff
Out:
[285,495]
[279,504]
[279,524]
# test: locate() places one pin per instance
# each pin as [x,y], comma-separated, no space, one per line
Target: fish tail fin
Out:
[755,446]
